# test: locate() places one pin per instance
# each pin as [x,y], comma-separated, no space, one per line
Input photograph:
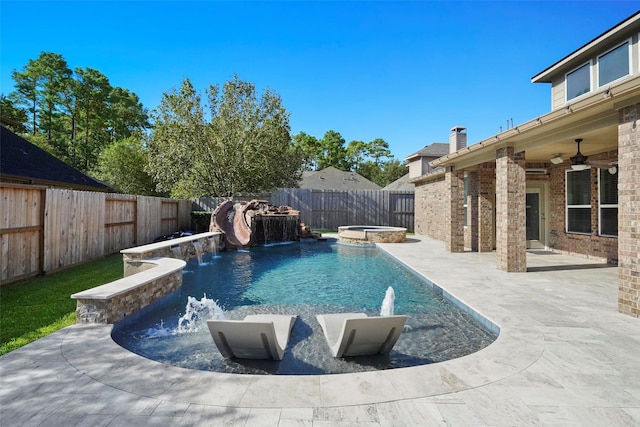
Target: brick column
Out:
[454,214]
[486,175]
[629,210]
[511,243]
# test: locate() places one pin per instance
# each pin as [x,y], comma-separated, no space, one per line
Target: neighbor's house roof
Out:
[437,149]
[401,184]
[334,179]
[21,162]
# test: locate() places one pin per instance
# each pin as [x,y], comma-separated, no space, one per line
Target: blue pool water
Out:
[304,279]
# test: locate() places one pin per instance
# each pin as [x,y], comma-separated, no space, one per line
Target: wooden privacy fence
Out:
[45,229]
[329,209]
[209,204]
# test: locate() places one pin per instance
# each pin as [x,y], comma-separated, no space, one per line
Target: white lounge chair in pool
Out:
[258,336]
[356,334]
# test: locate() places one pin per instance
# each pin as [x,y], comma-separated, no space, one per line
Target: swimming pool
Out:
[303,279]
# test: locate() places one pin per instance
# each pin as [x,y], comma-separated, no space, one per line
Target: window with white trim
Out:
[578,81]
[465,205]
[578,201]
[608,202]
[614,64]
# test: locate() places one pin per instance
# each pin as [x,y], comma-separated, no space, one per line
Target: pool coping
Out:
[91,350]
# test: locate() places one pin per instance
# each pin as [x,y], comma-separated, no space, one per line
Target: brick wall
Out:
[589,245]
[430,199]
[454,210]
[629,210]
[479,234]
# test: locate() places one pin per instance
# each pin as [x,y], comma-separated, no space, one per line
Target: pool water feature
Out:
[304,279]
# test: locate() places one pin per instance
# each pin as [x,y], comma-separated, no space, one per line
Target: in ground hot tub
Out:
[370,234]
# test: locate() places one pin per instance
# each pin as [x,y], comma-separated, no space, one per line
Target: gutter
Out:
[613,96]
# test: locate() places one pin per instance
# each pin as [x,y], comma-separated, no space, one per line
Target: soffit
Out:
[594,119]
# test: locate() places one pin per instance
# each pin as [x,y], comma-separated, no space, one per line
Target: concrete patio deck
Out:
[564,356]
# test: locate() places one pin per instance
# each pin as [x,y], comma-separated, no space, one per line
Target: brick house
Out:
[566,181]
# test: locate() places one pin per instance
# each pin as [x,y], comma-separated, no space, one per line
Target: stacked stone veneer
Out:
[121,305]
[150,273]
[180,248]
[629,210]
[387,235]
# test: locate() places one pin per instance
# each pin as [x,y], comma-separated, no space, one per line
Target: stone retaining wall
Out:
[150,273]
[120,305]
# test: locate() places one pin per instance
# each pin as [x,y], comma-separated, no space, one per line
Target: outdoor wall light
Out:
[556,159]
[612,170]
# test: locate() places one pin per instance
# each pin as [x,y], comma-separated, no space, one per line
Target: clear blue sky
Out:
[403,71]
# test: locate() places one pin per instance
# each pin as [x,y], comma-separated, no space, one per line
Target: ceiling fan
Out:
[581,162]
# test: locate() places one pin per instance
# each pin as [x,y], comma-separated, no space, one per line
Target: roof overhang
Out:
[6,179]
[589,49]
[593,118]
[427,177]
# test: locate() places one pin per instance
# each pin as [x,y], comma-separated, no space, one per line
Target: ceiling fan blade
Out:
[601,164]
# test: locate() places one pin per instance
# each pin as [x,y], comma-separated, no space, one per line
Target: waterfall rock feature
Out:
[255,222]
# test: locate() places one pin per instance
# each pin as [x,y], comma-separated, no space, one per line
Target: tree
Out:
[122,164]
[26,84]
[333,152]
[11,116]
[40,86]
[242,144]
[392,170]
[126,114]
[74,115]
[92,91]
[384,174]
[377,149]
[309,148]
[357,151]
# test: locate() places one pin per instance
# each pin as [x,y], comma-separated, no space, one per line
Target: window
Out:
[608,202]
[465,204]
[578,201]
[578,81]
[613,64]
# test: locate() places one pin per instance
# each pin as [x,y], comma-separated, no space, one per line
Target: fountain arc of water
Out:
[387,307]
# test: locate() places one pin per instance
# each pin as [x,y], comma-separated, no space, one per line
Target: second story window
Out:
[614,64]
[578,81]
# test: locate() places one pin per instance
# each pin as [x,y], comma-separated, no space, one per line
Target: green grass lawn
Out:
[33,308]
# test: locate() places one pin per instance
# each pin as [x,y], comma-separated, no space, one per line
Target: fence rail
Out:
[45,229]
[329,209]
